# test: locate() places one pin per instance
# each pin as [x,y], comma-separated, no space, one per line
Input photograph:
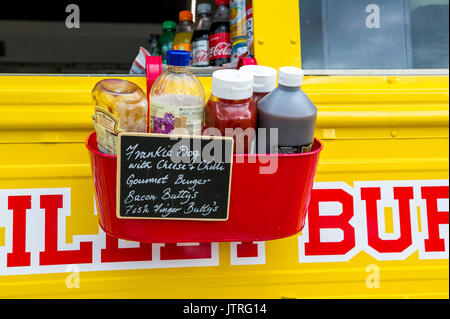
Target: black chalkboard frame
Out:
[169,136]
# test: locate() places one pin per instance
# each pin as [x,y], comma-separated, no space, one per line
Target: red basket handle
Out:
[153,69]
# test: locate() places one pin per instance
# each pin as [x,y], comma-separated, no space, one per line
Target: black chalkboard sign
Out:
[173,177]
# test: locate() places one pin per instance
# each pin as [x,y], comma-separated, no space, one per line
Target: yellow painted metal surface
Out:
[373,128]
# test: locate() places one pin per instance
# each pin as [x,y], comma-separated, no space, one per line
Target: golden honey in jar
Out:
[120,106]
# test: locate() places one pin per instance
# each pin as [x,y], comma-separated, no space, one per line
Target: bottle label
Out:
[107,128]
[239,50]
[183,47]
[200,53]
[166,118]
[250,29]
[238,20]
[220,46]
[297,149]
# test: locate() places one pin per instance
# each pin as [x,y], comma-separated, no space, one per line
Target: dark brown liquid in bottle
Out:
[293,115]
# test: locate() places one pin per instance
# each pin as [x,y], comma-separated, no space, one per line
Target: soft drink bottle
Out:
[219,36]
[238,29]
[200,39]
[183,38]
[250,43]
[166,39]
[153,48]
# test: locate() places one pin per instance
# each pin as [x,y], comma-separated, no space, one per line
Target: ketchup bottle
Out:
[264,80]
[231,110]
[219,36]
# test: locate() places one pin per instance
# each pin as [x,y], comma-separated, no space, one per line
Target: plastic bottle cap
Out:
[204,8]
[185,15]
[264,77]
[169,25]
[232,84]
[222,2]
[291,76]
[178,58]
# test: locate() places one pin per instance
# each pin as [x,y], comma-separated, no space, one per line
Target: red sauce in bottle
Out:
[234,114]
[264,80]
[232,110]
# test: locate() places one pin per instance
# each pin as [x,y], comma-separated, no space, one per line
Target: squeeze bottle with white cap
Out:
[231,110]
[289,110]
[264,80]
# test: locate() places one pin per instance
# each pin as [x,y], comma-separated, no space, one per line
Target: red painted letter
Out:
[19,205]
[403,195]
[51,255]
[434,217]
[175,252]
[316,222]
[112,252]
[247,249]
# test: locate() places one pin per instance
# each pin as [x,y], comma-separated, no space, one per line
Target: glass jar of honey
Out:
[120,106]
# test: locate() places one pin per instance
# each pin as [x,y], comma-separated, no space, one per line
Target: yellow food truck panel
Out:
[377,225]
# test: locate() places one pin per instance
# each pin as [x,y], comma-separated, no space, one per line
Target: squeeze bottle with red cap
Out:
[264,80]
[289,110]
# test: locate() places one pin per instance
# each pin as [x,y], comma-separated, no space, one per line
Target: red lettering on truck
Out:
[51,255]
[19,206]
[372,196]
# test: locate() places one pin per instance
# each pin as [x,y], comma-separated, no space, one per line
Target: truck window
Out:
[374,34]
[44,37]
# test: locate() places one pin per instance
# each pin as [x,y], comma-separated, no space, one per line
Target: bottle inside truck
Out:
[92,38]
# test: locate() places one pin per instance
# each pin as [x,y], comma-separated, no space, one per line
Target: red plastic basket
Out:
[262,207]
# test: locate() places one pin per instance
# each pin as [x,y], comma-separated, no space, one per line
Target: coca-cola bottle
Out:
[219,36]
[200,39]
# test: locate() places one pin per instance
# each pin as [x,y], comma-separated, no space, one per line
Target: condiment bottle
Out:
[120,106]
[177,98]
[289,110]
[231,109]
[264,80]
